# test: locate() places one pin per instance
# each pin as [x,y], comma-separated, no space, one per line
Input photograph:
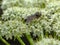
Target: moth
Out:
[36,15]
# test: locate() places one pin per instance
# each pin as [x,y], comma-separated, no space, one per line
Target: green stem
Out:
[46,34]
[40,37]
[4,41]
[54,34]
[20,40]
[30,39]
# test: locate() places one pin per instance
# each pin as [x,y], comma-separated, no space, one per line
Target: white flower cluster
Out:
[16,11]
[23,3]
[47,41]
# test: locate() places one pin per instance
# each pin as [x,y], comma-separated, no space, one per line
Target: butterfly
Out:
[36,15]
